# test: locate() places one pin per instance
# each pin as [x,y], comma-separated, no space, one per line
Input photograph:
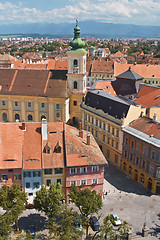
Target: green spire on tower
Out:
[77,43]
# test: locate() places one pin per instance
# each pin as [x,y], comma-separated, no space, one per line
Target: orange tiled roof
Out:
[101,65]
[55,134]
[32,146]
[19,64]
[106,85]
[36,66]
[51,64]
[144,70]
[59,65]
[78,152]
[118,54]
[11,137]
[148,96]
[147,126]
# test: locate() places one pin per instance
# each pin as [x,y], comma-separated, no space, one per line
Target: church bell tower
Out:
[76,75]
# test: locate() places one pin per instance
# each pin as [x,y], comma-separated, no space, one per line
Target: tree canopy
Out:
[88,203]
[49,201]
[13,200]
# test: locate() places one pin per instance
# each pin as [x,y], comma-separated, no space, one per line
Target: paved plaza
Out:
[131,202]
[125,197]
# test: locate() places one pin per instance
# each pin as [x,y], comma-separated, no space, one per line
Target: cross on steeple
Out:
[76,22]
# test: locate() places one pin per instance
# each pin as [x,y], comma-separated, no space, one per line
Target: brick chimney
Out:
[80,125]
[44,129]
[23,126]
[81,133]
[88,138]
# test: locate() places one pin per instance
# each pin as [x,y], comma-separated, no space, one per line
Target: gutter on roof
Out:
[143,136]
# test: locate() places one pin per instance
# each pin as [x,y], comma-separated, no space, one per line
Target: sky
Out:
[139,12]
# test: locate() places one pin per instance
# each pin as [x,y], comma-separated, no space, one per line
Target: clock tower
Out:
[76,76]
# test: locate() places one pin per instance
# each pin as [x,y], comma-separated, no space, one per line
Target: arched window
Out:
[30,117]
[75,63]
[43,117]
[17,116]
[4,117]
[75,85]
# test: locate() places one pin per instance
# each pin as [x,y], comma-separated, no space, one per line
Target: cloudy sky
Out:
[140,12]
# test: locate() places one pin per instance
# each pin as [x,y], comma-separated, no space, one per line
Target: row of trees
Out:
[63,220]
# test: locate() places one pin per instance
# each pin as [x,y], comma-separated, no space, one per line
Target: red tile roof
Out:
[101,65]
[144,70]
[11,145]
[106,85]
[78,153]
[32,146]
[55,134]
[148,96]
[147,126]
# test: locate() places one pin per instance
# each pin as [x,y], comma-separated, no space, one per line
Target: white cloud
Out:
[145,12]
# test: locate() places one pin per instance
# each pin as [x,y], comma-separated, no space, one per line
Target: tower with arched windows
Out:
[76,76]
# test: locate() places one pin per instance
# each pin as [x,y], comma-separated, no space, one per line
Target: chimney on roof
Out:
[23,126]
[81,133]
[80,125]
[44,129]
[88,138]
[155,117]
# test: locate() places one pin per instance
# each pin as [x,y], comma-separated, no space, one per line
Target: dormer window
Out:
[57,148]
[47,149]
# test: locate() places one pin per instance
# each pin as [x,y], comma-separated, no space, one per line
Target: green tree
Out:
[65,227]
[88,203]
[26,236]
[49,201]
[5,226]
[123,229]
[13,200]
[107,230]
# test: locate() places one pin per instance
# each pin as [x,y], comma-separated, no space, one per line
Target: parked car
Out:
[115,219]
[31,229]
[94,223]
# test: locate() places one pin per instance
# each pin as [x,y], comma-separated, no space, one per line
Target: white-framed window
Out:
[27,184]
[29,104]
[57,106]
[73,170]
[16,103]
[36,174]
[27,174]
[73,182]
[83,182]
[95,168]
[36,185]
[3,103]
[83,170]
[42,105]
[58,115]
[94,181]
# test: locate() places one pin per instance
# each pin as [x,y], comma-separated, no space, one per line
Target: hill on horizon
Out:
[88,29]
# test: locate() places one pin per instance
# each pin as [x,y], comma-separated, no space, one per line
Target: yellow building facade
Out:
[106,125]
